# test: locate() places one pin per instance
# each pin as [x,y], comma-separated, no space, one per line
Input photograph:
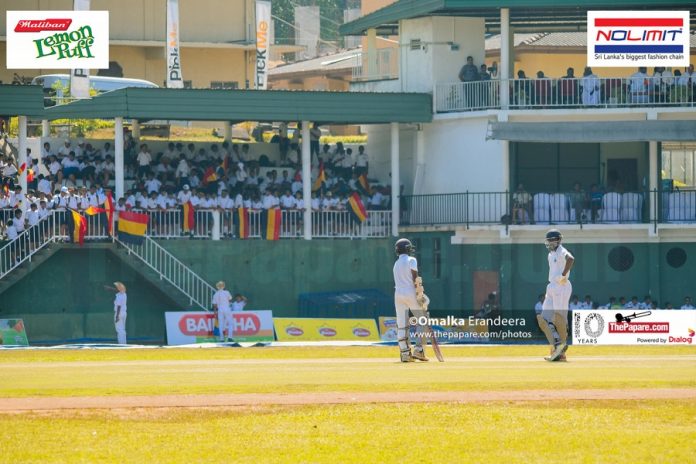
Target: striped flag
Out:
[210,175]
[109,207]
[321,178]
[132,227]
[21,169]
[357,208]
[243,218]
[225,164]
[364,184]
[189,222]
[30,175]
[78,227]
[92,210]
[271,218]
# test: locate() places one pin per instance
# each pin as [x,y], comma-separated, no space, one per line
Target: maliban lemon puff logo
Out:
[57,39]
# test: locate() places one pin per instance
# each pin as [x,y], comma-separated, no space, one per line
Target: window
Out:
[224,85]
[679,163]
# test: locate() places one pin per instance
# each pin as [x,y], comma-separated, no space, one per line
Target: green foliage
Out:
[331,12]
[84,127]
[330,139]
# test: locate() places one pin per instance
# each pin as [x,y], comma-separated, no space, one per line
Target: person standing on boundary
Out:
[221,304]
[408,288]
[558,291]
[120,311]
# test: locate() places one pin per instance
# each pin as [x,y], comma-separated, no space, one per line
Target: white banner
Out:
[175,79]
[184,328]
[57,39]
[79,78]
[634,327]
[263,46]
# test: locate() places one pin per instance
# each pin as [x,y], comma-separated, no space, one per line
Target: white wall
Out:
[379,151]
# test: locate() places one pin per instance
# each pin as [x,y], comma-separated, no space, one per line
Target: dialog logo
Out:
[691,332]
[638,38]
[57,39]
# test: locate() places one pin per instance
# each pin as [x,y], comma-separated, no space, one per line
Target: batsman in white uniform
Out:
[409,296]
[554,315]
[221,304]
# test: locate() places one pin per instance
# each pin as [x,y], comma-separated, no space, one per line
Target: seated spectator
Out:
[590,88]
[569,88]
[522,90]
[633,304]
[489,308]
[71,166]
[668,305]
[542,90]
[539,306]
[587,302]
[577,202]
[521,201]
[687,303]
[639,86]
[646,303]
[575,303]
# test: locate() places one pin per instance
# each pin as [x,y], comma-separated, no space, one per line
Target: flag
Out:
[30,175]
[225,165]
[78,227]
[132,227]
[6,189]
[243,217]
[21,169]
[364,184]
[270,220]
[189,222]
[357,208]
[209,176]
[92,210]
[321,178]
[109,208]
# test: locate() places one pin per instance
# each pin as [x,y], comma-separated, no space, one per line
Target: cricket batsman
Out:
[408,296]
[554,315]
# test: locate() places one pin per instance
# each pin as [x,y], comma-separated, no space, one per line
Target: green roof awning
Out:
[251,105]
[525,15]
[21,100]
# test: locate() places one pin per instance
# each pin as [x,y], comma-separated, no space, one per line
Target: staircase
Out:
[165,271]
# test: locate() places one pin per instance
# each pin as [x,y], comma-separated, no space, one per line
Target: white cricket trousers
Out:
[121,328]
[225,323]
[403,302]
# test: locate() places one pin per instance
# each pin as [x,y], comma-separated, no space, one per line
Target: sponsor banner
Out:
[263,34]
[12,332]
[387,329]
[79,78]
[184,328]
[57,39]
[315,330]
[638,38]
[629,327]
[175,80]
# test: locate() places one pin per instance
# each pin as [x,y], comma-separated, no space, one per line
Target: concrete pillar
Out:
[216,225]
[22,154]
[45,128]
[505,65]
[307,180]
[119,155]
[228,131]
[653,184]
[420,161]
[136,130]
[395,183]
[370,65]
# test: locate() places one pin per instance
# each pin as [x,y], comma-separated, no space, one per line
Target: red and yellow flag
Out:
[225,164]
[243,218]
[273,218]
[321,178]
[109,207]
[357,208]
[92,210]
[189,222]
[79,227]
[30,175]
[364,184]
[210,175]
[132,227]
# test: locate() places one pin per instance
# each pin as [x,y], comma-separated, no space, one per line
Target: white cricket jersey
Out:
[120,301]
[238,305]
[403,279]
[222,298]
[557,262]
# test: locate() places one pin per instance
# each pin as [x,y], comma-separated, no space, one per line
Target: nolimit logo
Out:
[57,39]
[637,38]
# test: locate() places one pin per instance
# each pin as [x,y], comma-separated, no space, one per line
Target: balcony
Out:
[508,208]
[382,64]
[611,92]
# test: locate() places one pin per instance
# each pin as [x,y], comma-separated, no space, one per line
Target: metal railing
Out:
[26,245]
[385,65]
[169,268]
[587,92]
[511,208]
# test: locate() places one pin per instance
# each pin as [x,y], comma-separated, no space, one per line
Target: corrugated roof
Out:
[334,62]
[493,42]
[532,15]
[21,100]
[251,105]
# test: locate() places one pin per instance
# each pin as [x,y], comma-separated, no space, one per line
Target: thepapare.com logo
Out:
[57,39]
[638,38]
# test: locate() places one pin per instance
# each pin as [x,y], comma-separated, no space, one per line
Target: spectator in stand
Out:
[622,303]
[587,303]
[668,305]
[377,200]
[239,302]
[521,201]
[46,151]
[469,72]
[646,303]
[662,82]
[575,303]
[687,303]
[522,89]
[71,166]
[633,304]
[361,161]
[590,88]
[65,150]
[144,160]
[569,88]
[483,73]
[314,136]
[577,203]
[539,306]
[595,202]
[542,90]
[489,308]
[639,86]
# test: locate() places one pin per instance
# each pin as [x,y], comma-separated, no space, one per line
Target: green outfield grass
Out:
[570,432]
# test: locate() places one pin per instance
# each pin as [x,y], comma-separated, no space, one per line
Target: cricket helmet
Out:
[553,239]
[403,246]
